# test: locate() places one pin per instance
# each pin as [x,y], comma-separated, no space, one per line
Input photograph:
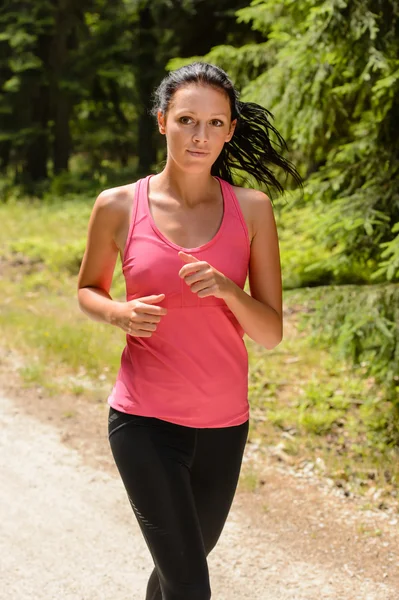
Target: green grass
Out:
[321,409]
[303,397]
[249,479]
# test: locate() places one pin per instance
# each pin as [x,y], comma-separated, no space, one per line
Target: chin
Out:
[195,166]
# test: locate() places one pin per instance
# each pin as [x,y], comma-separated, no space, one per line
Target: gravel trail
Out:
[67,533]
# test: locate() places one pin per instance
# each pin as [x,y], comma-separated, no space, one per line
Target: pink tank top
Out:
[193,370]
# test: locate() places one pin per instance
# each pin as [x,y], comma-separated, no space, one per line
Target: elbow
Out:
[81,303]
[82,299]
[79,292]
[270,344]
[79,297]
[272,337]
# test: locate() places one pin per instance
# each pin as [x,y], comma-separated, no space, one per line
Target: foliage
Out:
[389,265]
[361,323]
[329,72]
[306,261]
[77,77]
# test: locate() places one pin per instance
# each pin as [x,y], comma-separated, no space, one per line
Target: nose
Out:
[200,133]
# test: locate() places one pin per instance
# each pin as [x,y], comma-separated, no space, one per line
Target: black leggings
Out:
[180,482]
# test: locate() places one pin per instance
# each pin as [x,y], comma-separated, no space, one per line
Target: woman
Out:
[187,238]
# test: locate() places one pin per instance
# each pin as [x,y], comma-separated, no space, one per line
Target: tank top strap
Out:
[232,206]
[137,211]
[141,198]
[228,201]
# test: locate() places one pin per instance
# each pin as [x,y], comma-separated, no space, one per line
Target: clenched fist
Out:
[203,279]
[140,317]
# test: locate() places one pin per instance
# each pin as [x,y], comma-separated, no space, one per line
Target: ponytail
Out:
[251,149]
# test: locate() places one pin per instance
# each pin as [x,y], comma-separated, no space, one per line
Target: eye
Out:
[217,123]
[185,120]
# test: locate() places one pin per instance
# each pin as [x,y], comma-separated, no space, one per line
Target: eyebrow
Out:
[191,112]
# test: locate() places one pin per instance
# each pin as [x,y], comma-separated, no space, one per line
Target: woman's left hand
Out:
[203,279]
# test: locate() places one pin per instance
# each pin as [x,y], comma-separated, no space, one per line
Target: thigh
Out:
[214,477]
[153,458]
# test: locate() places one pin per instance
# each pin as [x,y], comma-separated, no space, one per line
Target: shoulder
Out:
[112,208]
[256,207]
[116,199]
[111,213]
[253,198]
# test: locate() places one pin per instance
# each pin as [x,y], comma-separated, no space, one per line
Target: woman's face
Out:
[197,125]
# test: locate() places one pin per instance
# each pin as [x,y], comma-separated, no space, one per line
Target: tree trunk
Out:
[146,79]
[62,134]
[5,153]
[60,98]
[37,151]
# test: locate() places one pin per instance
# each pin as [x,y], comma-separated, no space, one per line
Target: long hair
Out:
[252,150]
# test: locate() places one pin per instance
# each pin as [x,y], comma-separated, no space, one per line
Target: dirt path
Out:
[67,533]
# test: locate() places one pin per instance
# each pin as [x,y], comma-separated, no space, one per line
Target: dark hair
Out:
[251,149]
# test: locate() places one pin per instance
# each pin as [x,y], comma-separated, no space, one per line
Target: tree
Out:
[36,52]
[77,77]
[330,74]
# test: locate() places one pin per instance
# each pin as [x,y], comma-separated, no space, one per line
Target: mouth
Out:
[198,153]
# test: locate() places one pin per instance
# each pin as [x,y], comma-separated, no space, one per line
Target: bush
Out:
[362,323]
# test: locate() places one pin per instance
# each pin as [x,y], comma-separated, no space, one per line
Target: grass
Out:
[322,412]
[305,401]
[249,480]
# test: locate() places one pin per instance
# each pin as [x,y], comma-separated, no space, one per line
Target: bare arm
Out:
[99,260]
[260,314]
[137,317]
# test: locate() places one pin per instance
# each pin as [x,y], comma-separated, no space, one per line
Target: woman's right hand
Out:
[139,317]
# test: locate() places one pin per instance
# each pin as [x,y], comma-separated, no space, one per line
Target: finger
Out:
[192,268]
[209,291]
[188,257]
[148,309]
[134,328]
[201,285]
[140,333]
[152,299]
[190,279]
[147,318]
[141,321]
[145,326]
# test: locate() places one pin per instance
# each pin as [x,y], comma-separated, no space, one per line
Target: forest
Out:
[76,84]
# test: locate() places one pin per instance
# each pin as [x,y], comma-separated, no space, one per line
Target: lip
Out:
[199,153]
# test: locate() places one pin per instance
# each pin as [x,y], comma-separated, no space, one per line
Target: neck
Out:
[188,188]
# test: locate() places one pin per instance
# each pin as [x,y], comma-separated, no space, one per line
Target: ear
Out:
[232,129]
[161,122]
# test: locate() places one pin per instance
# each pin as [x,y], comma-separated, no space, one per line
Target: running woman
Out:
[187,238]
